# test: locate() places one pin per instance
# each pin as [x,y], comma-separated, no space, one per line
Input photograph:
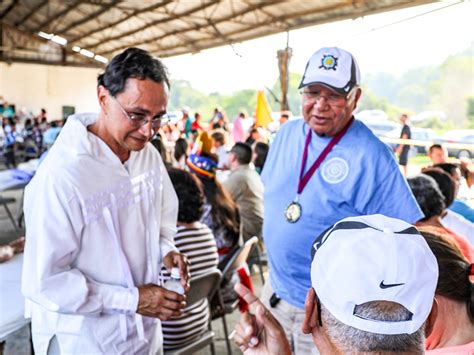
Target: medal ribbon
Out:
[305,178]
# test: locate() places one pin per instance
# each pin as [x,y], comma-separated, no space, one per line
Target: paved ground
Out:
[18,343]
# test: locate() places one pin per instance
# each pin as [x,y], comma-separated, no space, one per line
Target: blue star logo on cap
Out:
[328,62]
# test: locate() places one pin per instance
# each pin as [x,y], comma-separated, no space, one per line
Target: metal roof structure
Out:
[165,28]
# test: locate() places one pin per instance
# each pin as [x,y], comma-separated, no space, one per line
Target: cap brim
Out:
[332,88]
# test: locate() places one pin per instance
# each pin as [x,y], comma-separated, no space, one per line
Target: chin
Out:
[320,131]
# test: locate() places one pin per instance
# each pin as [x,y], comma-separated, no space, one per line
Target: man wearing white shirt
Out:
[101,218]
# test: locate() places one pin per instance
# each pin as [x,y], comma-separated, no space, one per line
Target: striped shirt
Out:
[199,246]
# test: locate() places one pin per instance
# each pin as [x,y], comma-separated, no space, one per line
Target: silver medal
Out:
[293,212]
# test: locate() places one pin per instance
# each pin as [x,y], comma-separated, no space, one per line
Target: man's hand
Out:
[260,333]
[157,302]
[175,259]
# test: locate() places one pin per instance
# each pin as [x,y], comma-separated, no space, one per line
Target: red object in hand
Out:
[245,280]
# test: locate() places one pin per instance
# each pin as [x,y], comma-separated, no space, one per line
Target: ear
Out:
[310,313]
[102,96]
[430,322]
[357,97]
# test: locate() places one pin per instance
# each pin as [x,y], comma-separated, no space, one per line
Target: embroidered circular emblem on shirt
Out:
[335,170]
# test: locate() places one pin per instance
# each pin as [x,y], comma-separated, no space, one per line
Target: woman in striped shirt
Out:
[196,241]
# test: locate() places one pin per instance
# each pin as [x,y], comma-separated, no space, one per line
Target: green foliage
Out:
[456,85]
[243,100]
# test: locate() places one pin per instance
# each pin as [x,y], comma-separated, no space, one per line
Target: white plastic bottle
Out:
[174,283]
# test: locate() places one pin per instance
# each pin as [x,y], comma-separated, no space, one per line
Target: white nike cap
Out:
[334,68]
[374,258]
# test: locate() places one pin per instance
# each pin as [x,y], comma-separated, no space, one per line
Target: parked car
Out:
[382,128]
[419,134]
[465,136]
[371,115]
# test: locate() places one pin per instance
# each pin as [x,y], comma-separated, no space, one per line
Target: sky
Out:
[392,42]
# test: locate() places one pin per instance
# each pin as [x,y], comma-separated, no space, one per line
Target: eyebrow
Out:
[139,109]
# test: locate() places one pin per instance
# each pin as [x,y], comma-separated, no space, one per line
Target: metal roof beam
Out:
[58,15]
[8,9]
[113,24]
[94,15]
[28,15]
[153,23]
[194,28]
[227,36]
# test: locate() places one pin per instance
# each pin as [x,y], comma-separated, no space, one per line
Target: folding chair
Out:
[201,287]
[238,259]
[4,201]
[255,258]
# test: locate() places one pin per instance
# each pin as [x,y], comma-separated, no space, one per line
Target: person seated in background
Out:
[260,155]
[432,203]
[246,188]
[157,142]
[196,241]
[219,149]
[50,135]
[453,330]
[220,213]
[438,154]
[180,153]
[383,302]
[254,136]
[450,219]
[459,206]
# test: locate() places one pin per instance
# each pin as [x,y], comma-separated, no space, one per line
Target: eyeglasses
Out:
[139,119]
[332,99]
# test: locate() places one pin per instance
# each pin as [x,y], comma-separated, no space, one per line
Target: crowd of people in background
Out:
[26,137]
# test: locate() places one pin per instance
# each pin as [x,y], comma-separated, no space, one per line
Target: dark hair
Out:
[224,209]
[132,63]
[447,167]
[261,150]
[157,142]
[428,195]
[243,153]
[180,148]
[190,195]
[454,270]
[218,137]
[433,147]
[445,183]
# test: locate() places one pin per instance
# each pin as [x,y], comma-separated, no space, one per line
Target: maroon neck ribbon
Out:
[305,178]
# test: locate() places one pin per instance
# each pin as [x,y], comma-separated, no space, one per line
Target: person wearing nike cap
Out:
[373,281]
[320,169]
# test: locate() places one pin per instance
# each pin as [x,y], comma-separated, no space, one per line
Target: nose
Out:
[147,130]
[320,103]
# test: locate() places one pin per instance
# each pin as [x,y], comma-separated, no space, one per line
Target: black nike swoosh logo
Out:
[382,285]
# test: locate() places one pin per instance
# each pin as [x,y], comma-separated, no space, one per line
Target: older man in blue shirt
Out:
[319,170]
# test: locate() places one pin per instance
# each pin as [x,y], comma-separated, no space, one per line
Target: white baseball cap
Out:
[334,68]
[374,258]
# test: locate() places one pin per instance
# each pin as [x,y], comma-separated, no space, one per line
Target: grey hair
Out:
[350,339]
[428,195]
